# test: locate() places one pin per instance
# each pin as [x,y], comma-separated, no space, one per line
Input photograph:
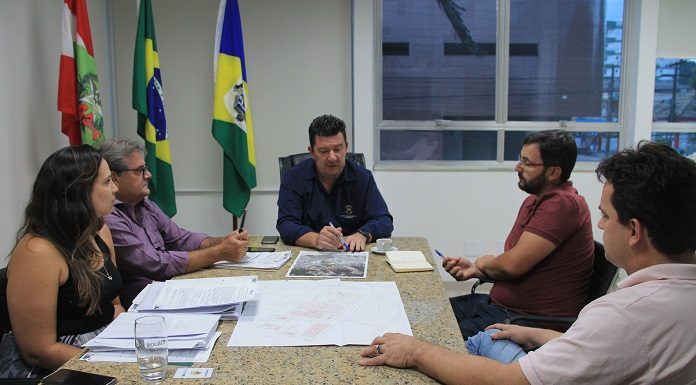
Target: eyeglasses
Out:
[526,163]
[140,170]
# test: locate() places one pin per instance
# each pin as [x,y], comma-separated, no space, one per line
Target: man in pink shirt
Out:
[642,333]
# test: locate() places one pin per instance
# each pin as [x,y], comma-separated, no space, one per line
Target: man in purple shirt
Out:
[149,245]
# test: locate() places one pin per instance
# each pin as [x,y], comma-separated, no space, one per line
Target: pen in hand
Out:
[343,241]
[439,253]
[241,225]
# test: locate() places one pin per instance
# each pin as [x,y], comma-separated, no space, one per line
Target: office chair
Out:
[603,276]
[4,313]
[287,162]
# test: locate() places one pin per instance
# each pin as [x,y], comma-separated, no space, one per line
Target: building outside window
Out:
[466,80]
[674,105]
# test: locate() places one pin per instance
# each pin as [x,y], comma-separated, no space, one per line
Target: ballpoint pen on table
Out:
[343,241]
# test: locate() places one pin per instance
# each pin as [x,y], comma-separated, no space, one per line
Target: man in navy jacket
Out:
[326,197]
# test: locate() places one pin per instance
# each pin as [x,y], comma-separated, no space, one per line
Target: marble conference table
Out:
[426,306]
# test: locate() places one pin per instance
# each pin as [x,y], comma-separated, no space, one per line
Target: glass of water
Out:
[151,347]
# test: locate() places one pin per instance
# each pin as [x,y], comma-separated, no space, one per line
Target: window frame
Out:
[501,124]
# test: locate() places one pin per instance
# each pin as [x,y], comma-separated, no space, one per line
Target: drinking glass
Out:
[151,347]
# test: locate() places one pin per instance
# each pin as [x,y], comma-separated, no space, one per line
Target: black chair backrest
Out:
[287,162]
[603,274]
[4,313]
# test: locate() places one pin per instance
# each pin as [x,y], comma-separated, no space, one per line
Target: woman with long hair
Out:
[62,282]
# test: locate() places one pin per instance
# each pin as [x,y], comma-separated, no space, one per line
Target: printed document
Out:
[327,312]
[257,261]
[199,293]
[175,356]
[329,264]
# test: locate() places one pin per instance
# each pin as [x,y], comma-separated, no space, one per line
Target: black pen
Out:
[241,225]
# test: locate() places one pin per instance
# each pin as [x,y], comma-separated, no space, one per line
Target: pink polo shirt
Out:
[641,334]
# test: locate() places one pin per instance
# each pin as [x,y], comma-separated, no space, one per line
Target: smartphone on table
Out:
[75,377]
[269,239]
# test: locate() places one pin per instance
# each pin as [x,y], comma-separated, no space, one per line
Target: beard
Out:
[532,186]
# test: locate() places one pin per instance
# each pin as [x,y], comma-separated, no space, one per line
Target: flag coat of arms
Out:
[232,123]
[148,101]
[78,83]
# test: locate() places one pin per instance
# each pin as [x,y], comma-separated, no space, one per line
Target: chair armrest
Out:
[478,283]
[543,320]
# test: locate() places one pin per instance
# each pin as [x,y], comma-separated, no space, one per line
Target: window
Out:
[466,80]
[674,105]
[675,91]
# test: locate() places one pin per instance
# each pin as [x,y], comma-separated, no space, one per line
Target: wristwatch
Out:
[368,236]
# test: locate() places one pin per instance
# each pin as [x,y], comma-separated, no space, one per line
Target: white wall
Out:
[292,78]
[677,29]
[30,42]
[299,64]
[298,67]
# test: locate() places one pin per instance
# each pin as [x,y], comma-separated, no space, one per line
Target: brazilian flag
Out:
[148,101]
[232,124]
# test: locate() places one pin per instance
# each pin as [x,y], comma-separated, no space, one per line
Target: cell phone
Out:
[269,239]
[74,377]
[254,249]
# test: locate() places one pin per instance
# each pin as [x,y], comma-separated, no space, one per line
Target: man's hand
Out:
[528,338]
[461,268]
[329,239]
[234,246]
[356,242]
[395,349]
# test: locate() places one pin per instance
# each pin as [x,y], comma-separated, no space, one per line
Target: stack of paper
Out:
[224,296]
[189,337]
[406,261]
[257,261]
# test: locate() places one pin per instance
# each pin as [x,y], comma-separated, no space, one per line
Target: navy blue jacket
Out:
[355,203]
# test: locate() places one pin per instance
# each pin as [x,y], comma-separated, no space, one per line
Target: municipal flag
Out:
[232,124]
[78,84]
[148,101]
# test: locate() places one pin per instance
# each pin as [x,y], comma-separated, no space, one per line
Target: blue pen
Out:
[439,253]
[343,241]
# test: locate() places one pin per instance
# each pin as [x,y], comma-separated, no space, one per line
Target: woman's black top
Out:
[71,318]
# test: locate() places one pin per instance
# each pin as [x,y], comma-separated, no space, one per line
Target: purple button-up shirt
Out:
[149,246]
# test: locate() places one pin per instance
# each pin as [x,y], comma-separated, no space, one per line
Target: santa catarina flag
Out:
[78,83]
[232,124]
[148,101]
